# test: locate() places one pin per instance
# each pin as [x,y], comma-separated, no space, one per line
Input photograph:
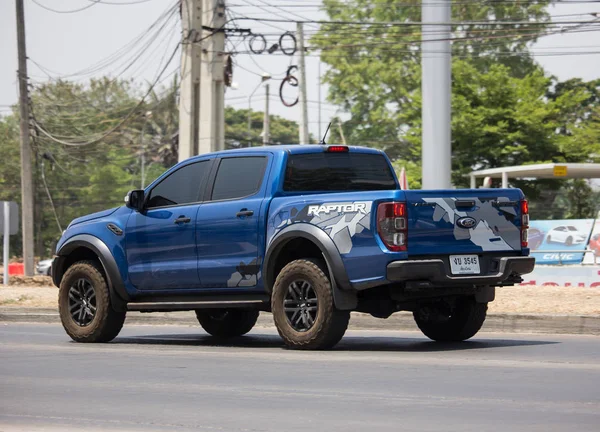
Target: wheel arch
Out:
[85,246]
[315,241]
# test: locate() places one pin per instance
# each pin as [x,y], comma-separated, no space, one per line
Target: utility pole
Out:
[339,122]
[436,91]
[26,175]
[265,77]
[143,155]
[212,88]
[319,98]
[303,102]
[189,91]
[266,124]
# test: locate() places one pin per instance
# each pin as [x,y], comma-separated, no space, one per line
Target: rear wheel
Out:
[84,305]
[303,308]
[227,323]
[451,322]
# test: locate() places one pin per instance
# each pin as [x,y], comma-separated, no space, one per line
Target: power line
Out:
[121,123]
[92,3]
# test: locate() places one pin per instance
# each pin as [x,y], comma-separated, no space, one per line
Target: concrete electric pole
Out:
[26,175]
[266,123]
[202,93]
[212,88]
[303,101]
[189,90]
[436,91]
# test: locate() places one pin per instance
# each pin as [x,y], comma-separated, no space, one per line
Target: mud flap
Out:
[485,294]
[344,300]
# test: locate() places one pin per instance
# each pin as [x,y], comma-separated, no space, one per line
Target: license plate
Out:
[464,264]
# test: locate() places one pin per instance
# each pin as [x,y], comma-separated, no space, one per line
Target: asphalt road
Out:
[170,378]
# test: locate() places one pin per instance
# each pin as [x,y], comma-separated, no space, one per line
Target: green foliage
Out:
[579,199]
[375,72]
[505,110]
[86,178]
[236,129]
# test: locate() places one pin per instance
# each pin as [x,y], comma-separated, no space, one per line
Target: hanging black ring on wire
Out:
[288,51]
[291,69]
[293,81]
[253,39]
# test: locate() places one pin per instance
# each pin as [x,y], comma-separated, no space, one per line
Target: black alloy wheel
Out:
[301,305]
[82,302]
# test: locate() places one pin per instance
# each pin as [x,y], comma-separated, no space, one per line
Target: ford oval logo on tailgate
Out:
[466,222]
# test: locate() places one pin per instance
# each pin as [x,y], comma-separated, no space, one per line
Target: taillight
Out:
[337,149]
[392,225]
[524,222]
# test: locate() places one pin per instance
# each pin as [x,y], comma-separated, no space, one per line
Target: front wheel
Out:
[303,308]
[451,322]
[84,305]
[227,323]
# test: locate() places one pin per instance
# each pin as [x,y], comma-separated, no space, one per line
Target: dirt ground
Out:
[519,300]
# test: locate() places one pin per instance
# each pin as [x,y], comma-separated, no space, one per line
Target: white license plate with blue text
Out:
[464,264]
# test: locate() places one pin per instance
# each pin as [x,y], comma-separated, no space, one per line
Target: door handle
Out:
[244,212]
[182,219]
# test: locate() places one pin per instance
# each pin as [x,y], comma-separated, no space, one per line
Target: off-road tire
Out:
[465,321]
[330,323]
[227,323]
[106,323]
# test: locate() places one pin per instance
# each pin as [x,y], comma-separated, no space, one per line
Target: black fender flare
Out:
[343,293]
[118,294]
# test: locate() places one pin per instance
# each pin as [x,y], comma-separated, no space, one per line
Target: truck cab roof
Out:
[289,148]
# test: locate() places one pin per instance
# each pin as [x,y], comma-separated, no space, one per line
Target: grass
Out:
[13,301]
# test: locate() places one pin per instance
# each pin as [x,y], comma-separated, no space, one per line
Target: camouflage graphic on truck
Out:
[340,220]
[493,228]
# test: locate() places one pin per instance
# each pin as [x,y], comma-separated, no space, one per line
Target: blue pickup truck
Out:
[309,233]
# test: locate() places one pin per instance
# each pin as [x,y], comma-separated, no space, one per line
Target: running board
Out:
[192,305]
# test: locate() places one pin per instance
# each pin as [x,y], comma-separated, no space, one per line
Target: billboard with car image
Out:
[559,241]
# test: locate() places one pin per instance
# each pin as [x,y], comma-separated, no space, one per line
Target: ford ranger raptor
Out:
[306,232]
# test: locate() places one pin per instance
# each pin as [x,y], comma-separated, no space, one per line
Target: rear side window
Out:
[239,177]
[338,172]
[180,187]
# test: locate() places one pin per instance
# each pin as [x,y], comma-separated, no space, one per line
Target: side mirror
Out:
[135,199]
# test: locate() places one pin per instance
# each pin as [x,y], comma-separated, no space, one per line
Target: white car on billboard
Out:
[566,234]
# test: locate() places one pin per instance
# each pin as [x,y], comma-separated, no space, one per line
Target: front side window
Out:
[180,187]
[239,177]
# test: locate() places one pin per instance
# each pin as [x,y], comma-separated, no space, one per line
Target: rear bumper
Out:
[436,272]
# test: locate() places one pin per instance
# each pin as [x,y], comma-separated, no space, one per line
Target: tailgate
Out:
[463,221]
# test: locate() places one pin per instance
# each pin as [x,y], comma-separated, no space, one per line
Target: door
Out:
[227,227]
[160,241]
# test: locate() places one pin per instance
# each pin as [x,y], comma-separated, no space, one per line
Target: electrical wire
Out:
[93,3]
[43,173]
[152,33]
[121,123]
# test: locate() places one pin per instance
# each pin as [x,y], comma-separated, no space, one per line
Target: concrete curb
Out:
[506,323]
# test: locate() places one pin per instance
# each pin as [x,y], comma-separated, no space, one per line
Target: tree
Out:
[375,69]
[283,131]
[83,178]
[505,110]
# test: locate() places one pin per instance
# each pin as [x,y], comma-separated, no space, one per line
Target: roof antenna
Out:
[325,136]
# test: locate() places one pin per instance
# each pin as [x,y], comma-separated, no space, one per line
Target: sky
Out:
[63,44]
